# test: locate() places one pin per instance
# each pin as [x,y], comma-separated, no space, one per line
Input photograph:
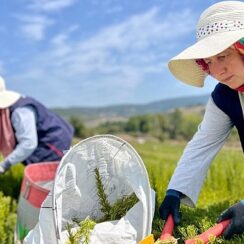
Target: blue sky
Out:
[96,52]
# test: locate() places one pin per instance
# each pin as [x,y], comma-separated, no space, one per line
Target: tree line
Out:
[176,125]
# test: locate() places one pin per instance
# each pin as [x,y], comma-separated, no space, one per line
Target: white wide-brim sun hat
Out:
[219,27]
[7,98]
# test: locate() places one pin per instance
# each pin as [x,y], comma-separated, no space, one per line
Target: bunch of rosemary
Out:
[110,212]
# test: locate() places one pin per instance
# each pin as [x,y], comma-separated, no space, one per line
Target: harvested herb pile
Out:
[110,212]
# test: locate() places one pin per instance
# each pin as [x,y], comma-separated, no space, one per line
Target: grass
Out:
[221,189]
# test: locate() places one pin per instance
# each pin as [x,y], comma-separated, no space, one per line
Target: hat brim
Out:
[184,67]
[8,98]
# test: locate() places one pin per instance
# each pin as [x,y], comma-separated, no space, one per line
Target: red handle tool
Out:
[216,230]
[168,229]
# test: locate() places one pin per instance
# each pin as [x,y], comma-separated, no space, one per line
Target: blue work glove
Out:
[171,205]
[236,216]
[4,166]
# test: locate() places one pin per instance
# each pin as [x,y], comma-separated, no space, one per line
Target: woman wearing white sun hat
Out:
[219,52]
[29,132]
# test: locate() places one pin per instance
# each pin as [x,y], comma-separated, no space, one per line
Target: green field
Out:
[222,188]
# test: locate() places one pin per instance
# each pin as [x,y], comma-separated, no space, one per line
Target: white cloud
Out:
[51,5]
[61,41]
[61,38]
[141,31]
[127,44]
[34,26]
[115,60]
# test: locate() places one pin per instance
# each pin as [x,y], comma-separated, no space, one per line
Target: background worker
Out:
[29,132]
[219,52]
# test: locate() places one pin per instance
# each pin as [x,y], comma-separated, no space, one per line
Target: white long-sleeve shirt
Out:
[24,123]
[194,163]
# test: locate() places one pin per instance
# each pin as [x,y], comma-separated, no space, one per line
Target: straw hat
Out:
[219,26]
[7,98]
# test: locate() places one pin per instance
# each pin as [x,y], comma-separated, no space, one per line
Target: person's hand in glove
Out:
[171,205]
[236,216]
[4,166]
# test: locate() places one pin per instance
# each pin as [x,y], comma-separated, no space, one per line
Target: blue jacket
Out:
[228,101]
[54,134]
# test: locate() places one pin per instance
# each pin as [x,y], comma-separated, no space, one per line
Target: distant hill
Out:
[117,112]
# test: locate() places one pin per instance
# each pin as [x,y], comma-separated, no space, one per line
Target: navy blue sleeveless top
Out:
[54,134]
[228,101]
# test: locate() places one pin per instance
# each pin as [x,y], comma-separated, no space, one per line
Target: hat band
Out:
[221,26]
